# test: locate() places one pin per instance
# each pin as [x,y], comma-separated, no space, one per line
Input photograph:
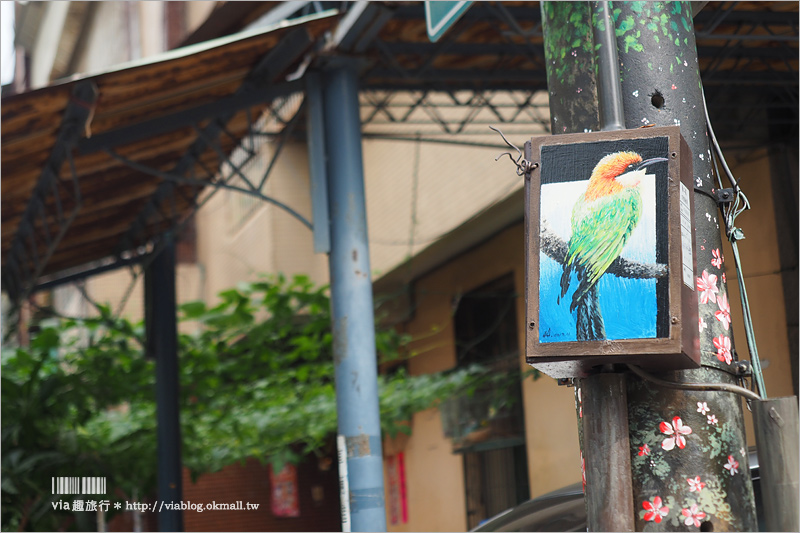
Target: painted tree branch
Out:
[555,248]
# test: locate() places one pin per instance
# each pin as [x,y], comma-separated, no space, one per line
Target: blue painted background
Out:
[628,305]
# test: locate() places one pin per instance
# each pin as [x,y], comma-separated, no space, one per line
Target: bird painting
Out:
[603,218]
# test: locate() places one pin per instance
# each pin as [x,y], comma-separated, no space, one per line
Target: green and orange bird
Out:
[603,219]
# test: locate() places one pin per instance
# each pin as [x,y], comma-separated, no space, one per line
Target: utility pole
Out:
[703,479]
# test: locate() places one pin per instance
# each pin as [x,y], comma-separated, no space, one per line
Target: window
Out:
[494,451]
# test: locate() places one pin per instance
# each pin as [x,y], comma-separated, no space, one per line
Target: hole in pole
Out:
[657,99]
[707,526]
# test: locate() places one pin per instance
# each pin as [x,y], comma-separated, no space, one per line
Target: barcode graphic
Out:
[79,485]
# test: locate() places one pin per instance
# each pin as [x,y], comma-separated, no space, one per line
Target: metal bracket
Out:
[724,196]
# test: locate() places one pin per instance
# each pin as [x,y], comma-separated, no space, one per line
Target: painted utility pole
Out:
[356,370]
[688,453]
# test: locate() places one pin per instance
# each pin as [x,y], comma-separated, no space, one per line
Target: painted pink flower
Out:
[724,313]
[707,286]
[732,465]
[655,512]
[716,258]
[702,408]
[712,419]
[693,515]
[676,431]
[723,346]
[702,324]
[724,279]
[695,484]
[580,403]
[644,450]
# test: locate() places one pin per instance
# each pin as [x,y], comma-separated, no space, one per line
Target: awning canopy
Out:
[69,193]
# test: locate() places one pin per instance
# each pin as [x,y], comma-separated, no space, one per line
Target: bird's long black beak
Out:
[647,162]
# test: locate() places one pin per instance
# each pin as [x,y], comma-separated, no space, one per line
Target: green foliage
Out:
[257,380]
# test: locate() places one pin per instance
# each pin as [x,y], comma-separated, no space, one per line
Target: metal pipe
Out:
[356,370]
[162,343]
[609,89]
[776,428]
[609,498]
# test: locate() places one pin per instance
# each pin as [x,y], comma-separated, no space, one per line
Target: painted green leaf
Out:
[673,25]
[677,42]
[637,6]
[625,25]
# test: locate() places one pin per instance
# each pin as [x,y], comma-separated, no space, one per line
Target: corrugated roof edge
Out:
[187,50]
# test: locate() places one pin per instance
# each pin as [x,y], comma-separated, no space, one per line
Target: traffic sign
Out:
[439,16]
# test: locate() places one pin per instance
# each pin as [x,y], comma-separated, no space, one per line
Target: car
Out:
[564,510]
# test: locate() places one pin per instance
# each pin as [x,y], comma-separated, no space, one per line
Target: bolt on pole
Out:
[687,449]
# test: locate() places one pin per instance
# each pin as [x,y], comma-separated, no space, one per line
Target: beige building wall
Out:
[418,191]
[240,237]
[436,502]
[762,275]
[112,37]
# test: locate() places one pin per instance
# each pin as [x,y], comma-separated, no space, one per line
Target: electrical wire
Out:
[734,234]
[723,387]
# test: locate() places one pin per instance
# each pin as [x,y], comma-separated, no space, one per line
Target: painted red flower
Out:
[723,346]
[724,313]
[724,280]
[716,258]
[644,450]
[707,287]
[695,484]
[732,465]
[693,515]
[676,431]
[701,324]
[712,419]
[583,472]
[655,511]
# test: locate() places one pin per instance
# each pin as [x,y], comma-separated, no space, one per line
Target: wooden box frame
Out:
[680,347]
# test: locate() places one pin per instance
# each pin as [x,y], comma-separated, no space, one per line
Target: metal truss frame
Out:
[449,112]
[135,247]
[767,75]
[47,216]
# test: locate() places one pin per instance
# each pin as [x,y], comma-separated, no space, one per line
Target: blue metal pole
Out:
[351,302]
[163,345]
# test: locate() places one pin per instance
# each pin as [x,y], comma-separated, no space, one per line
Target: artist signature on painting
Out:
[548,334]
